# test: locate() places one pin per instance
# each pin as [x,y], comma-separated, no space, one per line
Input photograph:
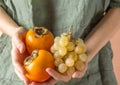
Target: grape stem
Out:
[70,34]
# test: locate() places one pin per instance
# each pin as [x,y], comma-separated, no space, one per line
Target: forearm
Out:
[7,25]
[103,32]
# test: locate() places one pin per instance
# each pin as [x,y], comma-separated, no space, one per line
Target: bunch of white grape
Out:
[70,54]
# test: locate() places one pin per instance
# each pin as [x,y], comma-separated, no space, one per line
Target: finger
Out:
[79,74]
[19,69]
[18,66]
[35,83]
[57,76]
[19,44]
[16,63]
[22,77]
[51,82]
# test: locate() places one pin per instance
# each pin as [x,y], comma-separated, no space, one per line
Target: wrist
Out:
[92,49]
[17,30]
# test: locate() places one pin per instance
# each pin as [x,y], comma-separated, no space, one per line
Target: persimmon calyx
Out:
[39,31]
[30,59]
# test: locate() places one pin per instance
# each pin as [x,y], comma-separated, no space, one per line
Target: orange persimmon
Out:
[39,38]
[36,64]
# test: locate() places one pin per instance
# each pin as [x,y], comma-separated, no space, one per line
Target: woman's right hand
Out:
[56,76]
[19,53]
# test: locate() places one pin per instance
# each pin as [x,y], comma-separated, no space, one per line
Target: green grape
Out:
[70,46]
[80,49]
[84,47]
[56,46]
[62,68]
[58,61]
[72,55]
[80,66]
[62,51]
[64,41]
[79,41]
[65,57]
[52,49]
[57,55]
[69,62]
[70,71]
[83,57]
[57,39]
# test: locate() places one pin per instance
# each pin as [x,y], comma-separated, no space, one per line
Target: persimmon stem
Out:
[39,31]
[29,59]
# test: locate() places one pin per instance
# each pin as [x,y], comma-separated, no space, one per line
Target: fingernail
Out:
[73,75]
[21,49]
[47,69]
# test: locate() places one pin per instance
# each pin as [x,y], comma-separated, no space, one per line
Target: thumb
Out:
[80,74]
[57,76]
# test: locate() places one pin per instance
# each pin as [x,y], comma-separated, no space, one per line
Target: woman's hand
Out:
[51,81]
[56,76]
[79,74]
[19,53]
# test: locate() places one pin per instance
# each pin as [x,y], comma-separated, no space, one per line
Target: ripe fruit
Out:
[64,41]
[73,55]
[70,71]
[83,57]
[62,51]
[62,68]
[70,54]
[80,66]
[39,38]
[69,62]
[36,64]
[80,49]
[58,61]
[70,46]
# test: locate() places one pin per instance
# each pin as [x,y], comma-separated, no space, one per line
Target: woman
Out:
[87,20]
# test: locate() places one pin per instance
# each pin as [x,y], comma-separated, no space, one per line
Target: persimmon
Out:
[39,38]
[36,65]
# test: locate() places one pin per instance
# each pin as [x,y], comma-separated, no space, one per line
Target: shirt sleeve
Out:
[115,3]
[2,4]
